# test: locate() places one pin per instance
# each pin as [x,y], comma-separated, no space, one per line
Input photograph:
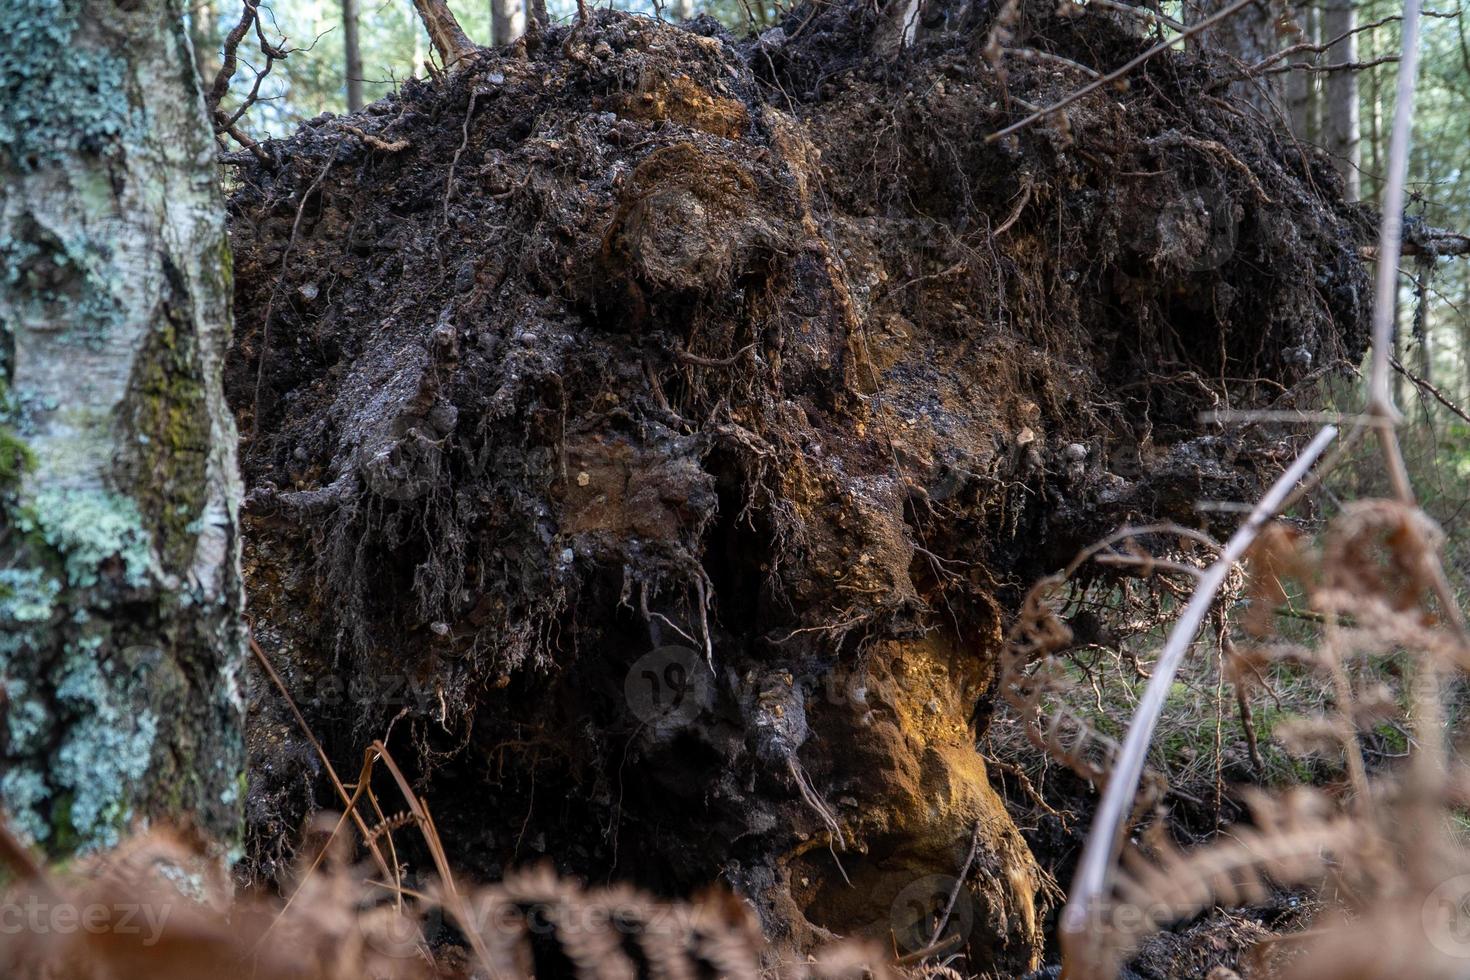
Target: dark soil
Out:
[651,448]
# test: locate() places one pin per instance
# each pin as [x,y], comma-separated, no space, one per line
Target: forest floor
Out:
[650,435]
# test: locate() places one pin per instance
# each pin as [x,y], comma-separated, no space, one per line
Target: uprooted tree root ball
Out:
[649,431]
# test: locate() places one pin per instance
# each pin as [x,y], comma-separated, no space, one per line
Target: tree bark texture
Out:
[1247,37]
[1300,93]
[120,595]
[449,39]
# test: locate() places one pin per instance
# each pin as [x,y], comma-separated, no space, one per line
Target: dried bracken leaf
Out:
[1278,555]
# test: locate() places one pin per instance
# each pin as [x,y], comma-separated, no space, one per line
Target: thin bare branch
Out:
[1046,57]
[228,124]
[1388,59]
[1429,389]
[1306,47]
[1420,240]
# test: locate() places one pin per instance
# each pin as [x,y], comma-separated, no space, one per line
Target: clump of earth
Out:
[649,432]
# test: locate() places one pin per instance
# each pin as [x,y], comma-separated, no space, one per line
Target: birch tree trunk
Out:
[352,51]
[120,595]
[682,9]
[1340,90]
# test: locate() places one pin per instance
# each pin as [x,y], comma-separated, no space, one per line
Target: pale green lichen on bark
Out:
[107,749]
[119,592]
[46,110]
[55,277]
[73,793]
[27,596]
[90,529]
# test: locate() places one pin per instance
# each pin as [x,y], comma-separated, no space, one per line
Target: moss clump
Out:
[168,448]
[16,458]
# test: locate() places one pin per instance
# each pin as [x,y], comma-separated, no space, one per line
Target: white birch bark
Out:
[120,597]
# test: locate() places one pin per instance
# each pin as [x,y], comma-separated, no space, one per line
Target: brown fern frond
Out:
[661,932]
[850,961]
[595,928]
[1279,554]
[390,824]
[1057,731]
[1378,550]
[1296,840]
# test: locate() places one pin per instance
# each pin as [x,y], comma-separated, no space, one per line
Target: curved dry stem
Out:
[1093,873]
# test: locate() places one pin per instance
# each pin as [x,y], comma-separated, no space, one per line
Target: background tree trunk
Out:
[1300,95]
[352,49]
[536,15]
[682,9]
[120,595]
[1340,91]
[204,35]
[448,38]
[1375,128]
[1247,36]
[507,20]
